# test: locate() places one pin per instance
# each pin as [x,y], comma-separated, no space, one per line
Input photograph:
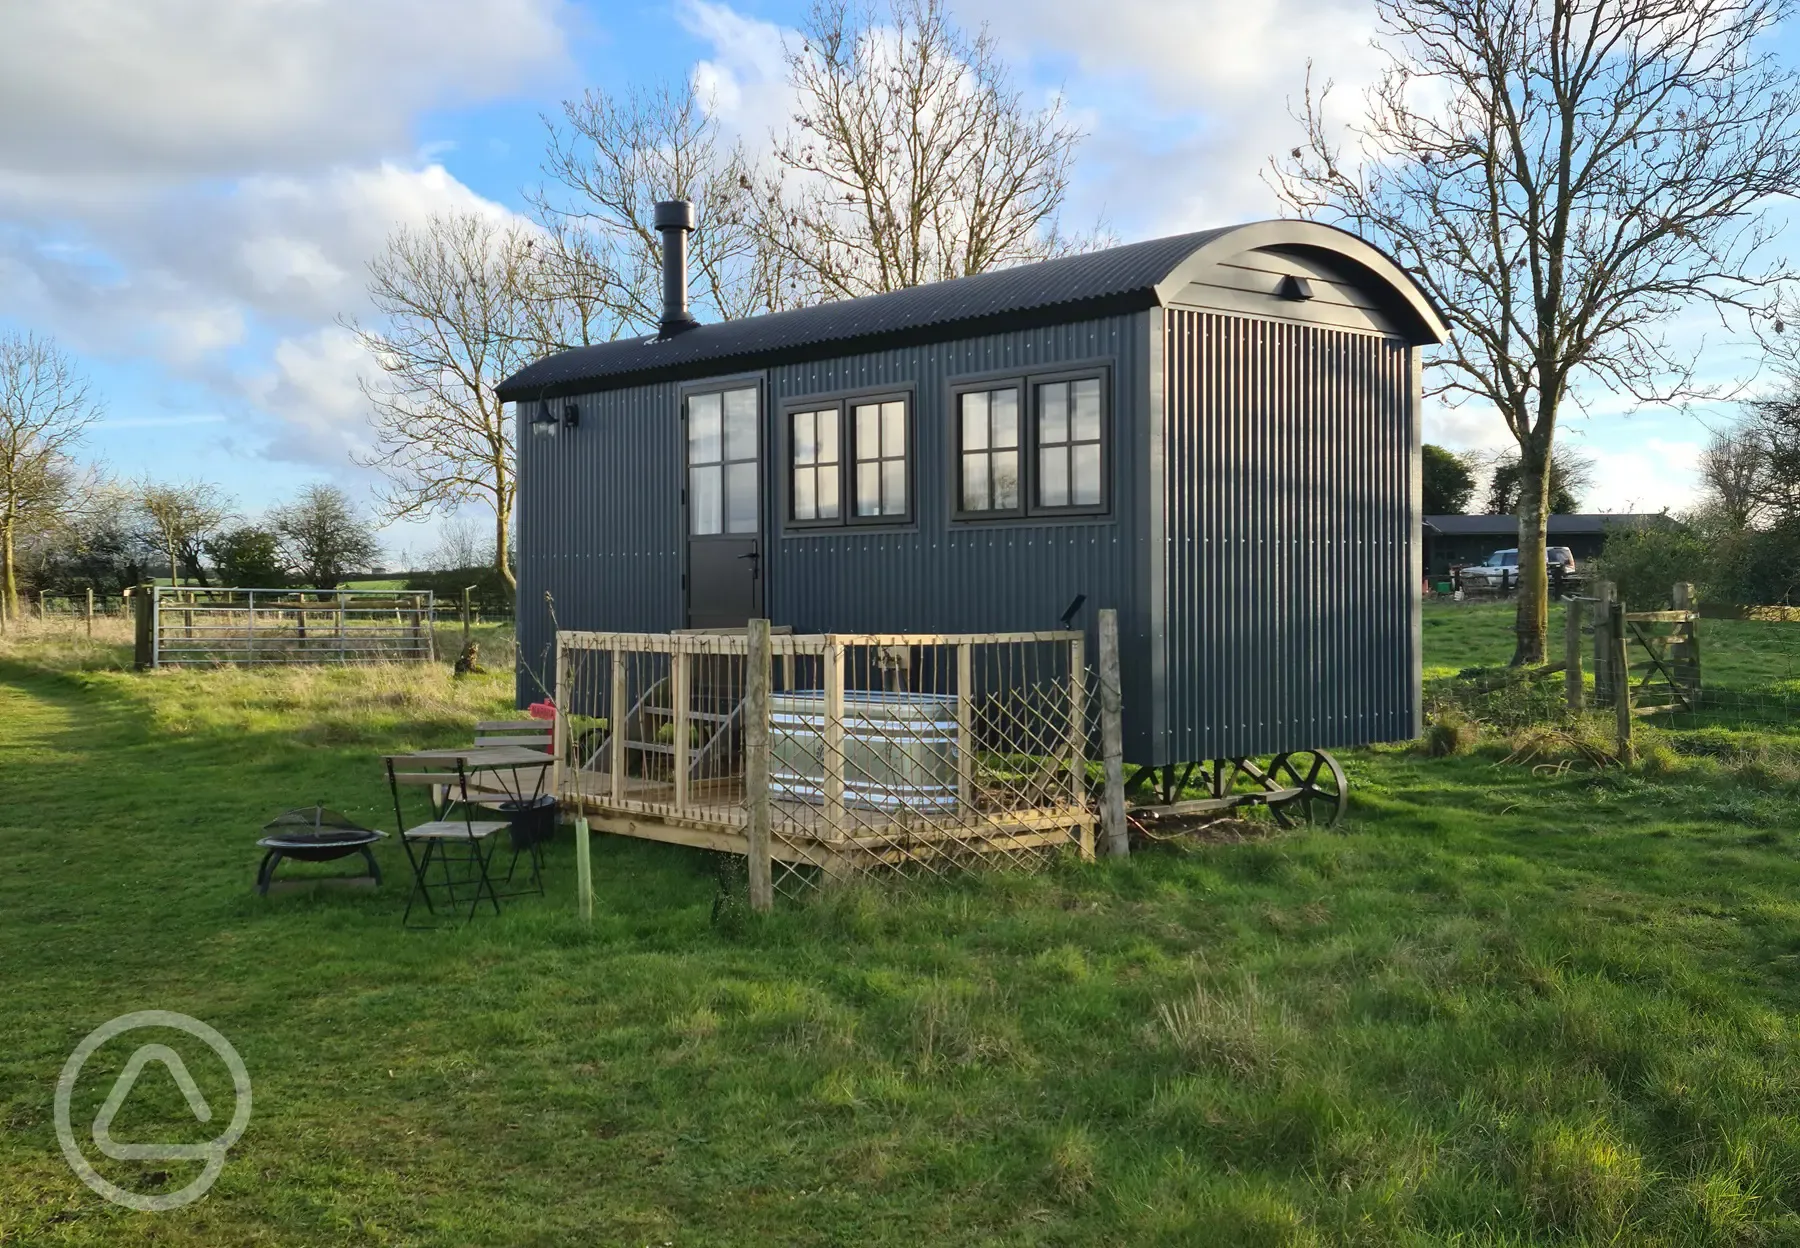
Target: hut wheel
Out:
[1323,793]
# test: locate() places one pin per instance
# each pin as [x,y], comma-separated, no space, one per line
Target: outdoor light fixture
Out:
[547,422]
[1295,287]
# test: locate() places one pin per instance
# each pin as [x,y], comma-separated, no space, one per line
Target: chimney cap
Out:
[675,214]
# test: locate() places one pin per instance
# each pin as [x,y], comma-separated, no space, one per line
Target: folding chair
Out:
[453,840]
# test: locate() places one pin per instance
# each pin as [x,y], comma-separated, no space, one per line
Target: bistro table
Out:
[497,779]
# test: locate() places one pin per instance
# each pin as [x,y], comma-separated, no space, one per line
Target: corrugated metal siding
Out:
[1290,541]
[600,524]
[941,576]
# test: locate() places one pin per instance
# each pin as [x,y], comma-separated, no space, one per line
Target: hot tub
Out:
[899,749]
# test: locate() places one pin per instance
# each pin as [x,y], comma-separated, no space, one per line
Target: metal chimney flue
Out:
[675,221]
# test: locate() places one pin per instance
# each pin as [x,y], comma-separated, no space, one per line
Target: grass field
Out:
[1498,1007]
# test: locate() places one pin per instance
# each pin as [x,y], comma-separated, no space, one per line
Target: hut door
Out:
[724,510]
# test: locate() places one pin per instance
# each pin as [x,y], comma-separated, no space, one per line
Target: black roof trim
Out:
[1127,278]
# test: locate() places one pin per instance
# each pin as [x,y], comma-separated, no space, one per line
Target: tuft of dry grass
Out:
[1237,1028]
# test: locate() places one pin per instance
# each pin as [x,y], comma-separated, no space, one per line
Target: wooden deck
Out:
[716,817]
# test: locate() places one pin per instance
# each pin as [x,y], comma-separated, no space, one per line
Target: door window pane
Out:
[740,498]
[704,510]
[703,429]
[740,424]
[722,463]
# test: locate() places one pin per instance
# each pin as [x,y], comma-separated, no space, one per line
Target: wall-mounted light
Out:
[1294,287]
[547,421]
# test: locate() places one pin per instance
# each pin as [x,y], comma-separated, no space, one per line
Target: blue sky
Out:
[189,188]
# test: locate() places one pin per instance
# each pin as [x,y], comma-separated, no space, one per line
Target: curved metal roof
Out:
[1125,278]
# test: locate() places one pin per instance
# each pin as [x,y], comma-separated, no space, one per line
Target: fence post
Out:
[1112,739]
[1620,667]
[1078,737]
[1603,595]
[559,725]
[680,696]
[965,725]
[90,610]
[1689,650]
[834,738]
[756,764]
[618,722]
[1572,688]
[145,655]
[465,615]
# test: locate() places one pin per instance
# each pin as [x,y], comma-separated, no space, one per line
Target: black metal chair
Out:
[452,840]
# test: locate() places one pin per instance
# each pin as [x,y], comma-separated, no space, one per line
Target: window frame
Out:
[984,386]
[1027,384]
[844,402]
[685,393]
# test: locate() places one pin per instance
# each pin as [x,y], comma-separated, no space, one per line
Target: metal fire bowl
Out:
[321,846]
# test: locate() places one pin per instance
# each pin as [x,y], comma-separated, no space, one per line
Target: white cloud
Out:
[181,88]
[202,182]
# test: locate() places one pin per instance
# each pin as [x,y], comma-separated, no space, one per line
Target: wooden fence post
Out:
[1688,652]
[1603,596]
[965,725]
[559,726]
[1572,688]
[146,628]
[1620,670]
[680,706]
[90,610]
[833,748]
[756,763]
[465,615]
[1115,835]
[1078,737]
[618,715]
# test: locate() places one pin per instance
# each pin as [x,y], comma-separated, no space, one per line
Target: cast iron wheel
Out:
[1323,791]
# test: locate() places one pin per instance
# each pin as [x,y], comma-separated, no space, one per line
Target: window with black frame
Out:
[817,469]
[850,461]
[1069,444]
[988,451]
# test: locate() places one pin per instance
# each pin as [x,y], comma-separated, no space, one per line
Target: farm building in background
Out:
[1217,434]
[1456,541]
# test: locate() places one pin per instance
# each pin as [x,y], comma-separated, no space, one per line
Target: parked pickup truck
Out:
[1500,570]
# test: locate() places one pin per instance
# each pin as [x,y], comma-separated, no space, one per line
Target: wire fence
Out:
[912,755]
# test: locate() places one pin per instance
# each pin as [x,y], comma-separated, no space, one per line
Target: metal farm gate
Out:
[182,626]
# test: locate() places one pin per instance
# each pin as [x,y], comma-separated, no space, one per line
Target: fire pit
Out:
[315,834]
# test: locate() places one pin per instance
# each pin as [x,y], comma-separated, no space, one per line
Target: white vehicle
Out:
[1500,570]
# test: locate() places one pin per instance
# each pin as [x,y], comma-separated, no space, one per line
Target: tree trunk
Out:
[174,565]
[1533,619]
[9,581]
[502,540]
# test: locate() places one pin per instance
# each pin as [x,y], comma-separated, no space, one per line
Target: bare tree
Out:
[322,536]
[463,307]
[1734,477]
[913,158]
[179,518]
[44,407]
[610,159]
[1563,177]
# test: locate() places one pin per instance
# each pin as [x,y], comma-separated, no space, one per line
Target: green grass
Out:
[1498,1007]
